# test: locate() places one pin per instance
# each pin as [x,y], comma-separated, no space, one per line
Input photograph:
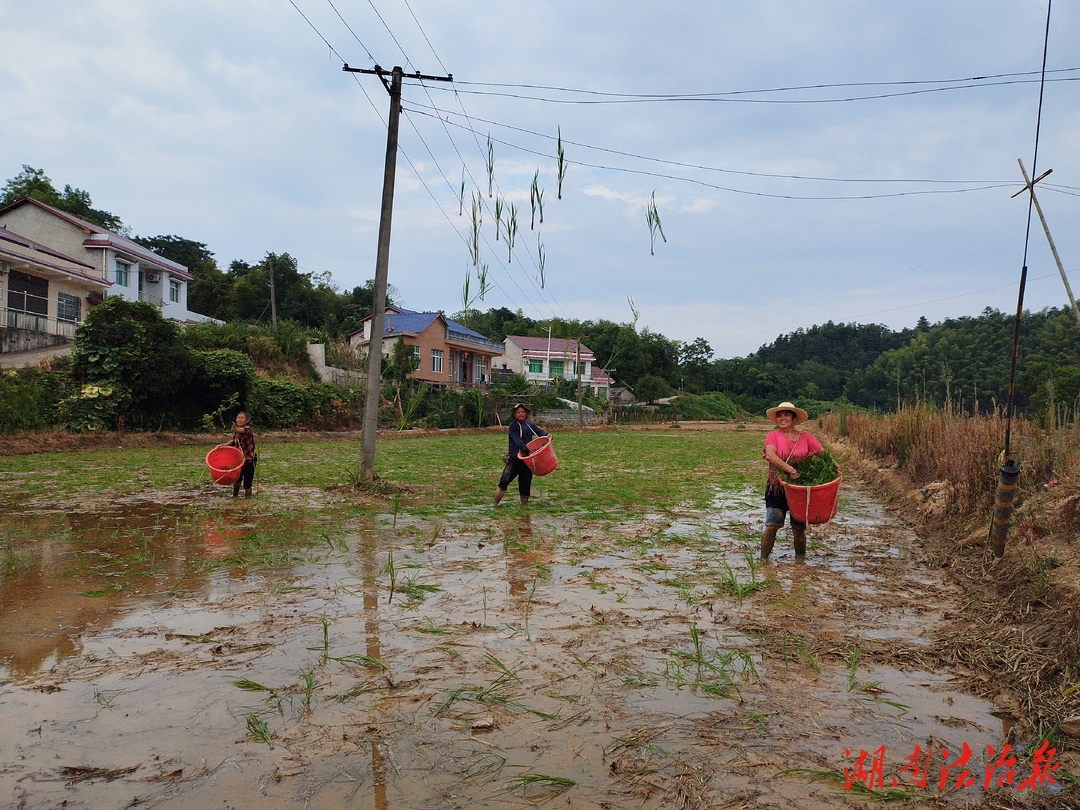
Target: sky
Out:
[809,161]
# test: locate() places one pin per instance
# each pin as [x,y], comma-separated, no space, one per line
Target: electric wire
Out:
[727,99]
[733,190]
[823,86]
[1027,240]
[621,153]
[346,24]
[404,154]
[409,62]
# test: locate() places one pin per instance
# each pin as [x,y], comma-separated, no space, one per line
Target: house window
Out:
[582,370]
[68,308]
[174,291]
[436,361]
[479,368]
[416,355]
[556,368]
[536,366]
[28,293]
[123,270]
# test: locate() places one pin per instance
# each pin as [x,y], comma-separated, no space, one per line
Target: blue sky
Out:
[234,125]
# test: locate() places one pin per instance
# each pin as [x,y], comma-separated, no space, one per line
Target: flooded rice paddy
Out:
[183,649]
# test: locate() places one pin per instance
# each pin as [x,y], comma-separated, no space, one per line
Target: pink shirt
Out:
[805,446]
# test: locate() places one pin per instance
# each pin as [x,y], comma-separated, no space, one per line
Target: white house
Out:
[542,360]
[54,266]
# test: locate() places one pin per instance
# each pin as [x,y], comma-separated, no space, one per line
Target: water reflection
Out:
[369,569]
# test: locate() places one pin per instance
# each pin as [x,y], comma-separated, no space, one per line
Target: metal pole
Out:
[378,306]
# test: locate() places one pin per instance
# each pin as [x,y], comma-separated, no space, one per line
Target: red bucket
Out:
[225,463]
[816,504]
[541,459]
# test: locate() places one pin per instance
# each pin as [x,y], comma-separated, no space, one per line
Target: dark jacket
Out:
[521,433]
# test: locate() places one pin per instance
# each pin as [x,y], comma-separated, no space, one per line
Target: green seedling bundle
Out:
[815,470]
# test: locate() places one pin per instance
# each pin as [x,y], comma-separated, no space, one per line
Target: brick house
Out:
[448,354]
[542,360]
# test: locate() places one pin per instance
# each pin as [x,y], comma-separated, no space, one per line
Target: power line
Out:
[731,98]
[791,88]
[700,167]
[694,181]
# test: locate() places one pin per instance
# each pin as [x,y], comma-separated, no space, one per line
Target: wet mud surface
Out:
[494,658]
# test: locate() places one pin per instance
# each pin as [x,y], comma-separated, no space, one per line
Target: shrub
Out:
[278,403]
[30,398]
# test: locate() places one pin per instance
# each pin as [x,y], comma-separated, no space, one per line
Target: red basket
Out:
[541,459]
[225,463]
[817,504]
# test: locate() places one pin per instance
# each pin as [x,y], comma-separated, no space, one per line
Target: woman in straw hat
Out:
[782,447]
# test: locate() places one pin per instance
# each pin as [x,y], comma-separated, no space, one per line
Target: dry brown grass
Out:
[928,445]
[1017,638]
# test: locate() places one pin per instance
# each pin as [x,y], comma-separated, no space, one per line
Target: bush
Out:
[278,404]
[30,398]
[705,406]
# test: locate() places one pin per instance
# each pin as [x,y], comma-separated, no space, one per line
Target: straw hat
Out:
[800,415]
[521,405]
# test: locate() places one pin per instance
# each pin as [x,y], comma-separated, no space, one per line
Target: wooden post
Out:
[1046,229]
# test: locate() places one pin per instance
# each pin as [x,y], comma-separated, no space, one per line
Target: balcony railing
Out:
[487,343]
[32,322]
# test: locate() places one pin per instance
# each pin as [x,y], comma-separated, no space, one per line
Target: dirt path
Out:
[520,659]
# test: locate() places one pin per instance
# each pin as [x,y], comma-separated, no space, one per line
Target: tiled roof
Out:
[557,346]
[113,240]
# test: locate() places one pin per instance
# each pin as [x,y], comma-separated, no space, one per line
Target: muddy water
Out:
[492,658]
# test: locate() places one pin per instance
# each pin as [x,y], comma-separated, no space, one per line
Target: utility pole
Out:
[382,264]
[1029,185]
[273,296]
[580,413]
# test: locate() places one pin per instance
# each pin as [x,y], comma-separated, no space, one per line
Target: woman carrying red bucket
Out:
[521,432]
[782,447]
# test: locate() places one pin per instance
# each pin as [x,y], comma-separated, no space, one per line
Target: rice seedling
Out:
[105,698]
[887,795]
[814,470]
[551,784]
[714,672]
[363,660]
[11,563]
[416,592]
[310,685]
[562,161]
[499,665]
[483,766]
[429,626]
[259,730]
[729,583]
[391,572]
[652,218]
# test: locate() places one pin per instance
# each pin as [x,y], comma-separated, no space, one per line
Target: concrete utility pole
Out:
[273,296]
[382,263]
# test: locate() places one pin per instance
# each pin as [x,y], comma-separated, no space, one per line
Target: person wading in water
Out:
[782,447]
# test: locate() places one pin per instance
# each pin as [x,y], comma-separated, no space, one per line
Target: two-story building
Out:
[54,266]
[448,354]
[543,360]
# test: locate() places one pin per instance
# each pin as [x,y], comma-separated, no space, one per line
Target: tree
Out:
[403,363]
[33,183]
[128,349]
[651,388]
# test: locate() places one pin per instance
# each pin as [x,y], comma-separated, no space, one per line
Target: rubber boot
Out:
[767,541]
[799,536]
[236,490]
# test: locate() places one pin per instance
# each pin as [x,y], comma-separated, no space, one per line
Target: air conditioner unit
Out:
[153,278]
